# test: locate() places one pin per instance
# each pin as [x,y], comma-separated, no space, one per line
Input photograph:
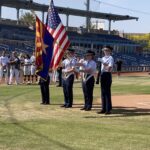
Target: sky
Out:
[140,7]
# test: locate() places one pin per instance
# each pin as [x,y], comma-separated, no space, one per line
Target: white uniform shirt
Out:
[27,66]
[68,64]
[33,67]
[4,61]
[32,60]
[107,60]
[27,62]
[90,65]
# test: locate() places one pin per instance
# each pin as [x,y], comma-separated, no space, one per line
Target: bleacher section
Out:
[133,59]
[16,33]
[14,45]
[21,38]
[100,38]
[16,37]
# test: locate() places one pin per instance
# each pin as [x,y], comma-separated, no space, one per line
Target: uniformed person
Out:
[27,69]
[14,68]
[44,86]
[59,71]
[88,69]
[21,57]
[106,80]
[33,68]
[4,67]
[68,77]
[118,66]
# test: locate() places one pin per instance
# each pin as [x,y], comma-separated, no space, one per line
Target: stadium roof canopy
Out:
[29,5]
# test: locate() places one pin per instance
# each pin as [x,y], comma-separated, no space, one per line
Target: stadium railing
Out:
[134,69]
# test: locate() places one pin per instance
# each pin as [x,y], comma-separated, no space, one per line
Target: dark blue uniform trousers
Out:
[88,88]
[44,85]
[68,90]
[106,81]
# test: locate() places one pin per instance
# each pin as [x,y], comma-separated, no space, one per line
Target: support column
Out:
[88,24]
[67,21]
[96,24]
[109,27]
[92,47]
[43,16]
[0,12]
[17,15]
[87,18]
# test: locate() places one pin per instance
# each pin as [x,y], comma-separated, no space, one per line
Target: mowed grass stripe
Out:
[26,125]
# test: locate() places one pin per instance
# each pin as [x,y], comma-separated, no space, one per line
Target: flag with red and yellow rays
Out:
[43,49]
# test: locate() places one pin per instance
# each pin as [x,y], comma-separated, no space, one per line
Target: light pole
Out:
[87,18]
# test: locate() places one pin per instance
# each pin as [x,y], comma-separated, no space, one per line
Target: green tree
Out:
[143,39]
[28,18]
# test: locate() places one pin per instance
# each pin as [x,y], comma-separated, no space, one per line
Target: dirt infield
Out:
[130,102]
[138,101]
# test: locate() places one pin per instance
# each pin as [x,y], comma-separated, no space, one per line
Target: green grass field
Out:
[26,125]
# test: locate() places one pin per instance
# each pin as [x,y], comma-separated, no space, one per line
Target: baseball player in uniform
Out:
[14,68]
[27,69]
[33,68]
[4,67]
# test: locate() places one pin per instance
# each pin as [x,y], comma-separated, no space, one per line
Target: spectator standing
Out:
[119,66]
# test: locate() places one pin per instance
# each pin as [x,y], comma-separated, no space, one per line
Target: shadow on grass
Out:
[131,76]
[15,122]
[124,112]
[94,106]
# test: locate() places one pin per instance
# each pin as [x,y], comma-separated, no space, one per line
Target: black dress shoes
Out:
[83,108]
[63,105]
[101,112]
[88,109]
[42,103]
[58,86]
[47,103]
[107,113]
[68,106]
[97,82]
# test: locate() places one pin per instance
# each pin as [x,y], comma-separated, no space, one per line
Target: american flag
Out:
[57,30]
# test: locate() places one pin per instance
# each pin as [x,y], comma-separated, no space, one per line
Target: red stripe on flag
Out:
[51,31]
[57,49]
[59,37]
[58,33]
[61,54]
